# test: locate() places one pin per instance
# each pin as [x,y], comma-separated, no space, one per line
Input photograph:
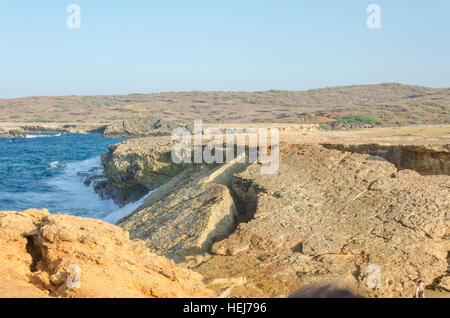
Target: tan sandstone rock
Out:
[143,161]
[183,218]
[445,283]
[41,253]
[425,159]
[330,216]
[185,223]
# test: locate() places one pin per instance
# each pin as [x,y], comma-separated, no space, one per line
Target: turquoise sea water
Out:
[46,171]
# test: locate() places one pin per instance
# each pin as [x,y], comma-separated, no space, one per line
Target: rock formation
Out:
[23,128]
[188,214]
[144,161]
[41,255]
[106,190]
[425,159]
[139,127]
[328,216]
[187,222]
[16,133]
[325,216]
[142,127]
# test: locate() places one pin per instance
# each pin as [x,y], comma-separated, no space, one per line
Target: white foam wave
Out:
[73,197]
[29,136]
[69,195]
[79,199]
[115,216]
[54,165]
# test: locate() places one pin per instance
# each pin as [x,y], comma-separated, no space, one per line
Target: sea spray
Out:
[70,184]
[115,216]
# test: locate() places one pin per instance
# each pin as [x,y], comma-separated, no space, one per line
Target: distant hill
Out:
[347,106]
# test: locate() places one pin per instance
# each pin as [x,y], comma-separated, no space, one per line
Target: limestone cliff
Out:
[21,129]
[144,162]
[425,159]
[142,127]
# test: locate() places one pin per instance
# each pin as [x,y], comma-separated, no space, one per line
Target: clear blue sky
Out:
[152,46]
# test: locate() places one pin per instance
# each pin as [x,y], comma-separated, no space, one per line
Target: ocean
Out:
[48,170]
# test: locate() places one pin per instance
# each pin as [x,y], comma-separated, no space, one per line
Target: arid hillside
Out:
[349,106]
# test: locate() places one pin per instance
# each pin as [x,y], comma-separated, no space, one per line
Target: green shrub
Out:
[40,120]
[356,119]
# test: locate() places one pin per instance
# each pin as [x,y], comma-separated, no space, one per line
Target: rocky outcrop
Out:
[14,133]
[328,216]
[106,190]
[183,218]
[425,159]
[144,161]
[142,127]
[130,128]
[17,134]
[24,128]
[84,128]
[42,255]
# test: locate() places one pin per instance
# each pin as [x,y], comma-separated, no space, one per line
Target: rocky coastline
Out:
[130,128]
[332,212]
[21,130]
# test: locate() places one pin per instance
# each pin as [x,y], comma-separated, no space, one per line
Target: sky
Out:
[147,46]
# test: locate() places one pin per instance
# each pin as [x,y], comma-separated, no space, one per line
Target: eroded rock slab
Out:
[186,222]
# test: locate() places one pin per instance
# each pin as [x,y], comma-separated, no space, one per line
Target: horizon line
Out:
[225,91]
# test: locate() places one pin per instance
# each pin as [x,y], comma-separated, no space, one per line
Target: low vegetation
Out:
[334,107]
